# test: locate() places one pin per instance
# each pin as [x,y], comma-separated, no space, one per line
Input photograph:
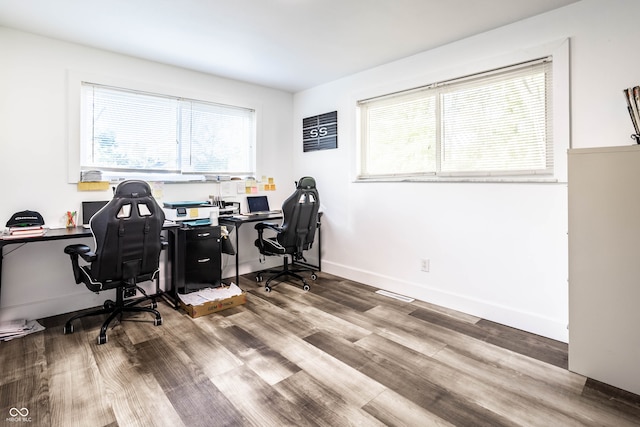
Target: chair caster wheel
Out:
[267,288]
[259,278]
[153,305]
[157,322]
[305,287]
[68,329]
[314,276]
[102,339]
[109,305]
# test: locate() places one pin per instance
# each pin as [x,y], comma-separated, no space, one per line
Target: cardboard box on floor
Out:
[213,306]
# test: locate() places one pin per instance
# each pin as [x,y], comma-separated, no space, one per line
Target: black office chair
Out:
[294,236]
[127,240]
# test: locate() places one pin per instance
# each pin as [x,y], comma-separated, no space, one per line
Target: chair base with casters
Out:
[117,308]
[286,271]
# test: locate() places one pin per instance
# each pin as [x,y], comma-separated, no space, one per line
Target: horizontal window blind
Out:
[492,124]
[125,130]
[406,129]
[221,138]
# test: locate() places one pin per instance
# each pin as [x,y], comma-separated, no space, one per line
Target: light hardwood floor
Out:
[337,355]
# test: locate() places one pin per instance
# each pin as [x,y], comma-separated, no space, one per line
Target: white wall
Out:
[36,278]
[498,251]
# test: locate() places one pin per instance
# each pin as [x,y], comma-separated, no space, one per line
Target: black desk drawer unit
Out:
[203,260]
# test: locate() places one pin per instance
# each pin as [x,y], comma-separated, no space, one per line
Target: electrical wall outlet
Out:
[424,265]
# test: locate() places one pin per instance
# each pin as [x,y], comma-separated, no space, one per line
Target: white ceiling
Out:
[285,44]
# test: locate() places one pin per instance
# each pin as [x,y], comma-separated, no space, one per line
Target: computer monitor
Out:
[89,209]
[258,204]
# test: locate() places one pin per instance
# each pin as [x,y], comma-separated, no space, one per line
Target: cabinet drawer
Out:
[202,257]
[206,273]
[202,253]
[202,233]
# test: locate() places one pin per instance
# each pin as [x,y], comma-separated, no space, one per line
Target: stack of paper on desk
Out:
[18,328]
[22,232]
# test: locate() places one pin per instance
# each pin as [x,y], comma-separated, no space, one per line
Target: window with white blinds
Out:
[130,131]
[494,124]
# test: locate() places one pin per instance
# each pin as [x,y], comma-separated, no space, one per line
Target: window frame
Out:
[75,80]
[557,51]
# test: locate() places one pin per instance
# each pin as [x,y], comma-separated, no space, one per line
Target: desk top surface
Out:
[52,234]
[249,218]
[60,234]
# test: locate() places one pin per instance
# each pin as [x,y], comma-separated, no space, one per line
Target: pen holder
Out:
[71,219]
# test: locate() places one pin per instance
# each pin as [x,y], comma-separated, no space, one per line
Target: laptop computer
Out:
[259,205]
[89,209]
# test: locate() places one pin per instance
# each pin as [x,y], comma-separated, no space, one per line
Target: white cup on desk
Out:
[213,216]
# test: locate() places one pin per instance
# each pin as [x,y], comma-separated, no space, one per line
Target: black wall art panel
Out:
[320,132]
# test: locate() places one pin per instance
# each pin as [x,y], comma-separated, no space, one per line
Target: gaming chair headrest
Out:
[133,189]
[306,182]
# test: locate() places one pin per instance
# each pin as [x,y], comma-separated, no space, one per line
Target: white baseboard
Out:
[80,299]
[54,306]
[525,321]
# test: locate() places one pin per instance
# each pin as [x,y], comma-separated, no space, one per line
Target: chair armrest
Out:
[83,250]
[262,225]
[74,251]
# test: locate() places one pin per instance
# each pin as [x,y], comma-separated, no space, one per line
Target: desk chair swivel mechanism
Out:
[295,235]
[127,238]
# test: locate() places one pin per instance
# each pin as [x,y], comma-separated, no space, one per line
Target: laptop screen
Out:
[89,209]
[258,204]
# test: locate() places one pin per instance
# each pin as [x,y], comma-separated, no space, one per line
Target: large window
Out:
[494,124]
[126,131]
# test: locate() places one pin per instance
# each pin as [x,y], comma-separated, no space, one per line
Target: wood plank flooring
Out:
[338,355]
